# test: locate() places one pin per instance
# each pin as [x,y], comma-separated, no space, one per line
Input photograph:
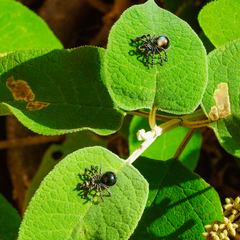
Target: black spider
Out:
[105,180]
[153,45]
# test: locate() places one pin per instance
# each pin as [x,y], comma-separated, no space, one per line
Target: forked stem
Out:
[196,119]
[163,128]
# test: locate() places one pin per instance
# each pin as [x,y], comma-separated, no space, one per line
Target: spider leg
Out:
[85,174]
[154,37]
[160,56]
[96,171]
[142,47]
[95,193]
[89,190]
[101,194]
[166,58]
[139,38]
[100,172]
[147,57]
[148,37]
[107,190]
[87,169]
[84,185]
[153,58]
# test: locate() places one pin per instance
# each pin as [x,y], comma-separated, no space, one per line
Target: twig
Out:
[30,140]
[100,5]
[184,142]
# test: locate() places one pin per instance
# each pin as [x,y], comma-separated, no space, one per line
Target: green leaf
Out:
[224,67]
[23,29]
[56,152]
[167,144]
[186,10]
[178,86]
[180,203]
[57,210]
[9,220]
[68,85]
[220,21]
[207,44]
[4,110]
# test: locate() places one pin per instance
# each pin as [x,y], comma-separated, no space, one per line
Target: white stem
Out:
[140,150]
[165,127]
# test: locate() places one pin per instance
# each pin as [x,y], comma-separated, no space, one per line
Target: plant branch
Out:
[30,140]
[193,120]
[165,127]
[184,142]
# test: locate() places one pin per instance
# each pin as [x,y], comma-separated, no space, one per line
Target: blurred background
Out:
[88,22]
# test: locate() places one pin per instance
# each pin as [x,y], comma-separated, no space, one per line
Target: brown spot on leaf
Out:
[20,90]
[222,101]
[214,113]
[36,105]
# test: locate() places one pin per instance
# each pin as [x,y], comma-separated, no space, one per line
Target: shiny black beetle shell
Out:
[109,179]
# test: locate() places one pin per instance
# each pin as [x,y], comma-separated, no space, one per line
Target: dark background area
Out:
[88,22]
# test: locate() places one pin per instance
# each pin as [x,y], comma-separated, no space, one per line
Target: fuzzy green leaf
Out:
[220,21]
[224,67]
[57,210]
[56,152]
[166,145]
[9,220]
[69,86]
[178,86]
[180,203]
[23,29]
[4,110]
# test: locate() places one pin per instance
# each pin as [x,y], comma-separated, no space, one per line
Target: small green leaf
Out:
[224,67]
[178,86]
[9,220]
[68,83]
[57,210]
[23,29]
[220,21]
[4,110]
[180,203]
[56,152]
[167,144]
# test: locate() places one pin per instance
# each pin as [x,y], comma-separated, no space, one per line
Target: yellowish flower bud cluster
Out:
[221,230]
[232,207]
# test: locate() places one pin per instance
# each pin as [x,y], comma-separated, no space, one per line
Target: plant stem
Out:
[184,142]
[165,127]
[193,120]
[152,118]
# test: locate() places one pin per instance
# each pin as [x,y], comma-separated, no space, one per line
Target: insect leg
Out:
[101,194]
[85,174]
[100,172]
[140,47]
[160,56]
[153,58]
[96,171]
[147,57]
[89,190]
[107,190]
[148,37]
[166,58]
[139,38]
[87,169]
[95,193]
